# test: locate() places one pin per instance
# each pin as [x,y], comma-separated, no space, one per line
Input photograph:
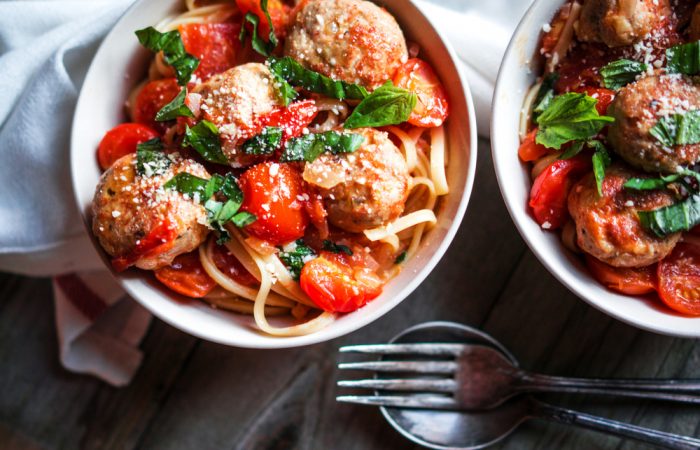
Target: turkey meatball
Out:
[232,101]
[607,226]
[364,189]
[132,214]
[619,22]
[638,107]
[695,24]
[350,40]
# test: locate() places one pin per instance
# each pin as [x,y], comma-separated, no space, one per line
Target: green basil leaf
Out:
[295,258]
[243,219]
[199,189]
[684,59]
[570,117]
[545,94]
[573,150]
[681,216]
[258,43]
[176,108]
[150,159]
[204,138]
[649,184]
[310,146]
[231,190]
[387,105]
[401,258]
[621,72]
[601,160]
[336,248]
[295,74]
[173,49]
[264,143]
[678,129]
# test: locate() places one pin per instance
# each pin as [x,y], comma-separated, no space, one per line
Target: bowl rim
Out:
[596,296]
[341,329]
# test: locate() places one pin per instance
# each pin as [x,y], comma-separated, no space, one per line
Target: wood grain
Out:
[192,394]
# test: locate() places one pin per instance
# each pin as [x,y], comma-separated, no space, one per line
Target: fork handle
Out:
[614,428]
[562,384]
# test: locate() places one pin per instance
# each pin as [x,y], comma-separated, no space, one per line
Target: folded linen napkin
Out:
[45,49]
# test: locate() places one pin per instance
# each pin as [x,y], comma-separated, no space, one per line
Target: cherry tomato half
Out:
[335,286]
[159,240]
[292,119]
[122,140]
[279,13]
[274,193]
[604,97]
[216,45]
[530,150]
[679,279]
[626,280]
[231,267]
[432,108]
[154,95]
[550,190]
[186,276]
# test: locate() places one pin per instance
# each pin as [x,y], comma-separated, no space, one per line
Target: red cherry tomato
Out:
[274,193]
[604,97]
[231,267]
[530,150]
[679,279]
[279,13]
[432,108]
[626,280]
[216,45]
[551,188]
[152,98]
[122,140]
[186,276]
[293,119]
[335,286]
[159,240]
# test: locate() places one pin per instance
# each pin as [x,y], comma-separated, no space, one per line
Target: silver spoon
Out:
[479,429]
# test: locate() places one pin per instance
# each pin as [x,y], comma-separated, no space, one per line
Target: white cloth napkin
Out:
[45,49]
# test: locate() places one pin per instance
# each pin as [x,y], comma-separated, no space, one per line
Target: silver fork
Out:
[473,377]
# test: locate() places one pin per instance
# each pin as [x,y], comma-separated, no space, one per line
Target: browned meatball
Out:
[364,189]
[638,107]
[351,40]
[128,207]
[232,100]
[695,24]
[619,22]
[608,228]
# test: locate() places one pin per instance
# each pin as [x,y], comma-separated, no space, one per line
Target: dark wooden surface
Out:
[192,394]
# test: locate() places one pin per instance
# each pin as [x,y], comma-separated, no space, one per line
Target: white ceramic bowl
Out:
[519,70]
[120,63]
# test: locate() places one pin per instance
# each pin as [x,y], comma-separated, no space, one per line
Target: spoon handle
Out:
[614,428]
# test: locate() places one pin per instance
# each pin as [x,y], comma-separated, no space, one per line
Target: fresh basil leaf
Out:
[295,259]
[681,216]
[649,184]
[336,248]
[621,72]
[310,146]
[204,138]
[231,190]
[573,150]
[213,209]
[243,219]
[684,58]
[387,105]
[601,160]
[150,159]
[258,43]
[264,143]
[295,74]
[570,117]
[545,94]
[678,129]
[199,189]
[176,108]
[173,49]
[401,258]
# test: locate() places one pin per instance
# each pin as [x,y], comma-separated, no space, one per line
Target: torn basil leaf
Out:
[650,184]
[204,138]
[678,129]
[601,160]
[176,108]
[310,146]
[545,94]
[387,105]
[295,74]
[681,216]
[621,72]
[401,258]
[173,49]
[264,143]
[198,189]
[295,259]
[258,43]
[150,159]
[684,59]
[336,248]
[570,117]
[573,150]
[154,145]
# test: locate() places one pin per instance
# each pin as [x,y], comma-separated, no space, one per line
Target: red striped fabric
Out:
[81,296]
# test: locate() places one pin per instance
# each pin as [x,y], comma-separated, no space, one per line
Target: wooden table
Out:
[192,394]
